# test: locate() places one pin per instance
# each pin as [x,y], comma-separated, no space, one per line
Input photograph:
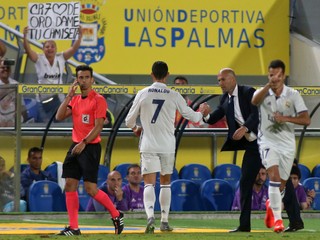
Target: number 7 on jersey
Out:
[160,103]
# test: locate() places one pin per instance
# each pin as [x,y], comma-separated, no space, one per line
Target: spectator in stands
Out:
[259,193]
[181,80]
[7,190]
[8,97]
[50,67]
[304,199]
[112,187]
[33,172]
[3,49]
[134,190]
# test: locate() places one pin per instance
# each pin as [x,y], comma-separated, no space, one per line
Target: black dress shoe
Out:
[295,227]
[238,229]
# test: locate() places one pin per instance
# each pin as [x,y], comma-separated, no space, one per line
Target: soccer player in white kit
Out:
[157,105]
[280,107]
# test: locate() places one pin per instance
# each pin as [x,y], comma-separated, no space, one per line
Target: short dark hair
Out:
[34,150]
[296,171]
[278,64]
[160,70]
[132,166]
[180,77]
[84,68]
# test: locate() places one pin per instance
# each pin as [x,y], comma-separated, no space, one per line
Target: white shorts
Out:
[271,157]
[157,162]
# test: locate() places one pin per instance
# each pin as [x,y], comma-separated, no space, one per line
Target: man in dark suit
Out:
[243,120]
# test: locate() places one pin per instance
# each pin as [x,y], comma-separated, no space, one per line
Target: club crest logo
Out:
[46,188]
[92,48]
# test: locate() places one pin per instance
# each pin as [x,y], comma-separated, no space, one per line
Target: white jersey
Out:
[279,136]
[157,105]
[48,74]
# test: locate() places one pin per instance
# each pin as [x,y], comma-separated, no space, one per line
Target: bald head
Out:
[114,180]
[227,80]
[114,174]
[227,71]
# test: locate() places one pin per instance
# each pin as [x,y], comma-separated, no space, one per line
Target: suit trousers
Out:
[251,164]
[291,204]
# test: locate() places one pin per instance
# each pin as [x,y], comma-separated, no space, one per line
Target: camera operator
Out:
[8,96]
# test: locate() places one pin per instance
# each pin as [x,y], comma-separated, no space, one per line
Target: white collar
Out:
[283,93]
[235,92]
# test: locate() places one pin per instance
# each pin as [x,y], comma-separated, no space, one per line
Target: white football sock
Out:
[149,198]
[165,201]
[275,199]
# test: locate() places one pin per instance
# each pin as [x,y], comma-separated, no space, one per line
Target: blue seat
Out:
[122,169]
[52,169]
[174,176]
[313,183]
[216,195]
[305,172]
[102,174]
[46,196]
[195,172]
[32,109]
[316,171]
[23,166]
[185,196]
[83,196]
[228,172]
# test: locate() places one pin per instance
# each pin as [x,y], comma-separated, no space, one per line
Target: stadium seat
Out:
[174,176]
[195,172]
[316,171]
[23,166]
[305,172]
[185,196]
[55,169]
[228,172]
[46,196]
[216,195]
[83,196]
[313,183]
[102,174]
[32,109]
[52,169]
[122,169]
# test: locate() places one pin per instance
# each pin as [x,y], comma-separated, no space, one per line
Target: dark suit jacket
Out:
[249,112]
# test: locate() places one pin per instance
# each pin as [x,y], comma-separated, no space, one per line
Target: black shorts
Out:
[85,165]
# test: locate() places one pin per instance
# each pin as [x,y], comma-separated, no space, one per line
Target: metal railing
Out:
[98,77]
